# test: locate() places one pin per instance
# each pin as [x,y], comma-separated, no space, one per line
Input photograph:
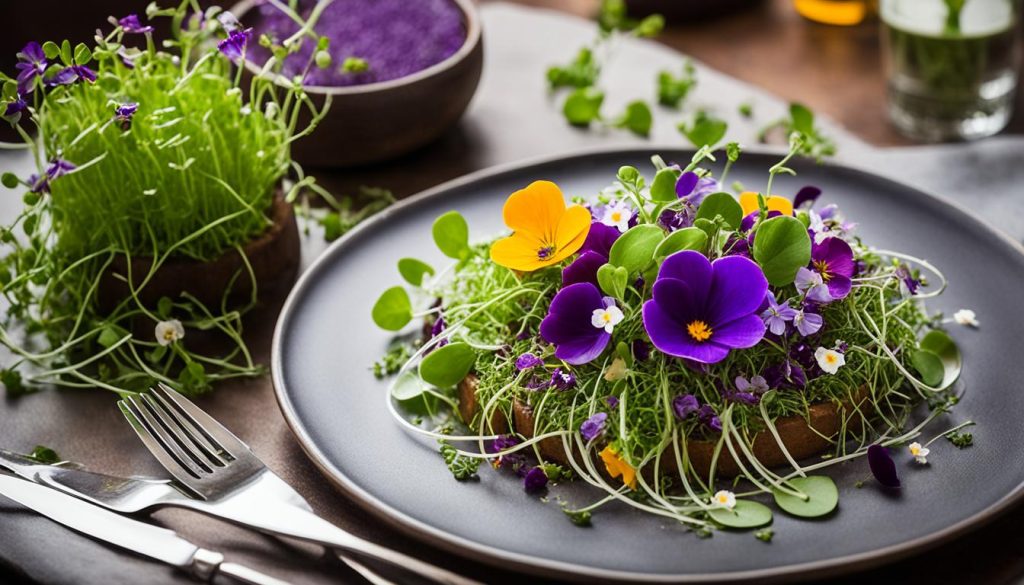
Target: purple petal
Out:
[671,339]
[584,268]
[808,194]
[685,405]
[839,286]
[527,361]
[593,426]
[738,288]
[741,333]
[675,298]
[535,480]
[808,323]
[686,183]
[836,254]
[691,267]
[583,349]
[882,466]
[600,238]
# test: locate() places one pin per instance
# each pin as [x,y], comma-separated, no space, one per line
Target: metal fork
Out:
[219,468]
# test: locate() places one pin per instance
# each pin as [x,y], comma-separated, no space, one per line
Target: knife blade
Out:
[144,539]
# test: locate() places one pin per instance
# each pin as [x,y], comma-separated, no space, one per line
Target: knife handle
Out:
[207,564]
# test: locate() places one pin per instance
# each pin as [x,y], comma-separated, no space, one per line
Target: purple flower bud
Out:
[131,24]
[234,46]
[527,361]
[535,481]
[593,426]
[684,405]
[123,113]
[612,401]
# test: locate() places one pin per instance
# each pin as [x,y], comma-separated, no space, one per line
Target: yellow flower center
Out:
[830,358]
[699,330]
[915,450]
[822,267]
[616,216]
[606,316]
[723,499]
[169,335]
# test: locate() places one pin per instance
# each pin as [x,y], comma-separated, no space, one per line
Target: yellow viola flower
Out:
[748,201]
[617,466]
[544,230]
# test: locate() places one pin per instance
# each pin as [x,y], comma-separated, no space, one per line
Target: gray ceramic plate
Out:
[325,343]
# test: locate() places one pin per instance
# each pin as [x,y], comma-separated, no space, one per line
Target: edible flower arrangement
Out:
[691,353]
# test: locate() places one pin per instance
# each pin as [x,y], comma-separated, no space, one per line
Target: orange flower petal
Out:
[748,201]
[571,232]
[537,209]
[519,252]
[617,466]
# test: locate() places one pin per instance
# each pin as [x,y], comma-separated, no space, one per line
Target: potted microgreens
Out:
[159,204]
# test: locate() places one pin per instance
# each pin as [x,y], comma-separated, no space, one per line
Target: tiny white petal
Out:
[724,499]
[167,332]
[829,360]
[966,317]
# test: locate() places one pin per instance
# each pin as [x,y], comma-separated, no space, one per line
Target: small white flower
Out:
[724,499]
[167,332]
[246,110]
[617,215]
[920,453]
[607,318]
[616,371]
[966,317]
[829,360]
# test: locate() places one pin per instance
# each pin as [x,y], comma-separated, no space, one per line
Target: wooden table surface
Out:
[833,70]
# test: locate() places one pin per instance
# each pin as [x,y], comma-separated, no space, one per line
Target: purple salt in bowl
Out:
[419,88]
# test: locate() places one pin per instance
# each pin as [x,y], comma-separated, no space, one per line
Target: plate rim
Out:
[494,556]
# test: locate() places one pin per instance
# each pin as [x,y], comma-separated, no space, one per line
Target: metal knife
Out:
[141,538]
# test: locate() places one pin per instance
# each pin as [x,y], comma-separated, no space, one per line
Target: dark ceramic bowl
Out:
[380,121]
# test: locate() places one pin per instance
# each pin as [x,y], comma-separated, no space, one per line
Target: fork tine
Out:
[205,424]
[216,452]
[198,453]
[156,440]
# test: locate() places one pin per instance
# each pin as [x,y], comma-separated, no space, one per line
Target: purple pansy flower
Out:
[702,310]
[123,113]
[569,323]
[14,109]
[684,405]
[562,379]
[234,46]
[131,24]
[528,361]
[612,401]
[806,196]
[807,323]
[70,75]
[503,443]
[677,220]
[812,285]
[777,314]
[833,260]
[882,466]
[31,64]
[785,375]
[535,480]
[58,168]
[593,426]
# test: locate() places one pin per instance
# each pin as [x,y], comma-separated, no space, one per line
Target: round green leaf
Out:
[781,247]
[637,118]
[393,310]
[634,249]
[583,106]
[413,270]
[451,234]
[690,238]
[929,366]
[940,344]
[663,188]
[746,514]
[447,366]
[722,204]
[822,496]
[9,180]
[612,280]
[407,386]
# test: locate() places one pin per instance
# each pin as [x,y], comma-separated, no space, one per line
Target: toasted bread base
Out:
[802,437]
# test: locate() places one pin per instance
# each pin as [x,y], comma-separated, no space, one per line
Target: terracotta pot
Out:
[274,257]
[380,121]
